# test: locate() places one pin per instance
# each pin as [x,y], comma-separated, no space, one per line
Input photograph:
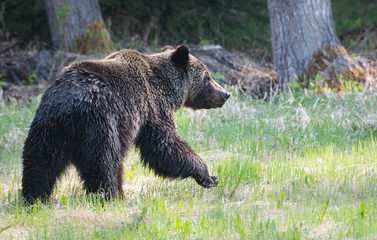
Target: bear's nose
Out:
[226,95]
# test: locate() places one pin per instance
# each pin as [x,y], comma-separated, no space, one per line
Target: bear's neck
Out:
[169,85]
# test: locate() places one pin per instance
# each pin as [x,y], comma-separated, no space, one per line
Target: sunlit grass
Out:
[301,166]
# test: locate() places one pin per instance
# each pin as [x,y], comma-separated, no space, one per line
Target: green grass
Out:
[298,167]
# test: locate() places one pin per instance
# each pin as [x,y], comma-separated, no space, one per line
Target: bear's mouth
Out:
[217,104]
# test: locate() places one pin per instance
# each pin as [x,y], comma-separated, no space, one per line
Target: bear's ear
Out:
[167,48]
[180,56]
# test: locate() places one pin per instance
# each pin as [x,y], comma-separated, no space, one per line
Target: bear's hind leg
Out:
[99,178]
[39,176]
[120,180]
[100,147]
[98,159]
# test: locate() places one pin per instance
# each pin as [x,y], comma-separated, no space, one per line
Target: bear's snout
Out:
[218,98]
[226,95]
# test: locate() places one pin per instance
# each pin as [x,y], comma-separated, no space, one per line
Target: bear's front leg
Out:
[162,150]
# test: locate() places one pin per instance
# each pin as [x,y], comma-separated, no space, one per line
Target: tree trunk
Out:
[77,26]
[304,43]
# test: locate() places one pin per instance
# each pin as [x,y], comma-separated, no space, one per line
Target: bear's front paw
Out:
[207,182]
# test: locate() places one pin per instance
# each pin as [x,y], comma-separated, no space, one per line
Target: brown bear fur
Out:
[95,110]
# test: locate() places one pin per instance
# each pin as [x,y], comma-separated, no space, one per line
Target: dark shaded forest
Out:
[239,24]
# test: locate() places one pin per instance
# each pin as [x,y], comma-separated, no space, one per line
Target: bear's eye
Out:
[206,78]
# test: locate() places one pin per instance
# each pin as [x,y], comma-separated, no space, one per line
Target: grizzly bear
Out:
[95,110]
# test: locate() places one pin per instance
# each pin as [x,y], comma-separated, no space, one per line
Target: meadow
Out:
[301,166]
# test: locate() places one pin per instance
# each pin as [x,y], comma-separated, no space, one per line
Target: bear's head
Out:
[203,92]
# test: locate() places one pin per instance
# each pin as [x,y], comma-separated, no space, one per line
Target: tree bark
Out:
[77,26]
[304,43]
